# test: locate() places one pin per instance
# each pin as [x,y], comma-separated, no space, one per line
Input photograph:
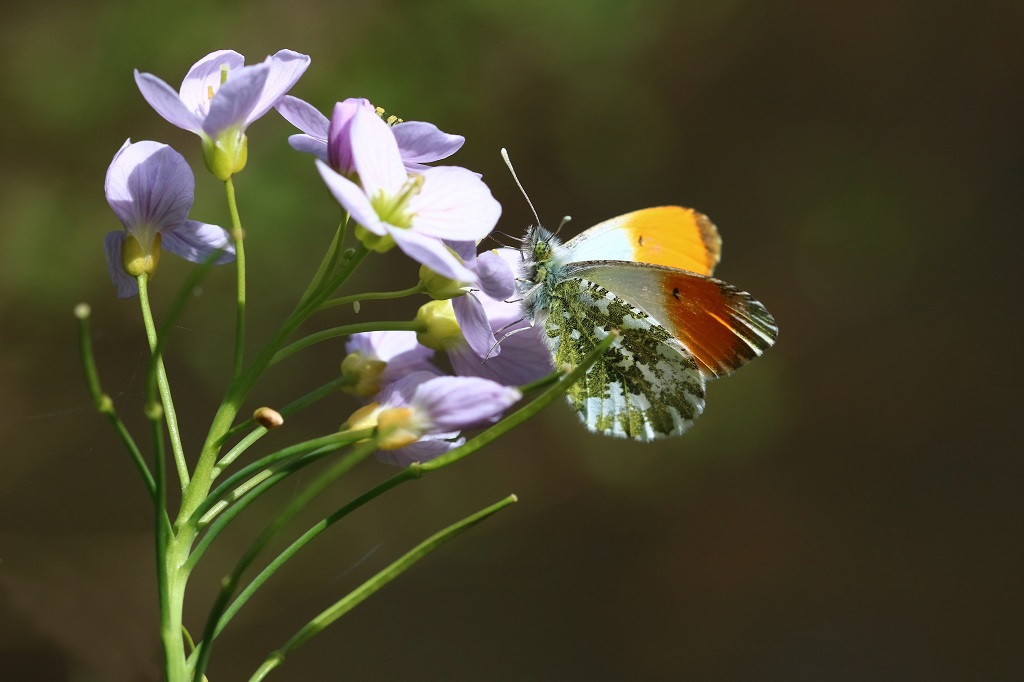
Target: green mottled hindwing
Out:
[646,386]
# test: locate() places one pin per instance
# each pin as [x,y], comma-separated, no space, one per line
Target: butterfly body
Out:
[676,327]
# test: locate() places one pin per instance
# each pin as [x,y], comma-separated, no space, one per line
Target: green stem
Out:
[374,296]
[329,261]
[361,593]
[202,479]
[248,492]
[238,236]
[157,368]
[230,582]
[416,470]
[346,330]
[287,411]
[102,401]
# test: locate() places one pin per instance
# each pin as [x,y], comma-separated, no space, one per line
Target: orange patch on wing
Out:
[716,322]
[675,237]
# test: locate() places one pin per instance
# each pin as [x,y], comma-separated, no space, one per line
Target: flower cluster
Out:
[378,172]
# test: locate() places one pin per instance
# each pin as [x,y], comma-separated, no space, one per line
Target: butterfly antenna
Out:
[508,162]
[562,224]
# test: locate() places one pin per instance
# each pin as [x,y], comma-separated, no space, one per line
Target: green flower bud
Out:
[438,286]
[443,330]
[136,259]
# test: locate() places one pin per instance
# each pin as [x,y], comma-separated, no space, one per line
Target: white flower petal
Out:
[421,142]
[309,145]
[375,154]
[430,252]
[149,186]
[454,204]
[351,198]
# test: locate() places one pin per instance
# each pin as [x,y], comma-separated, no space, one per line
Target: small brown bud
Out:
[267,417]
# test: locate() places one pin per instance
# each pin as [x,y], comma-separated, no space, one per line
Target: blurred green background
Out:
[849,507]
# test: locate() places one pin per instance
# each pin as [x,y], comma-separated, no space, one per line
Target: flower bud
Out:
[363,418]
[442,330]
[396,428]
[226,155]
[365,372]
[137,259]
[380,243]
[438,286]
[267,417]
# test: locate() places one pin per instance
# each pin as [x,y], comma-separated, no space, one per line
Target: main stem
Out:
[238,235]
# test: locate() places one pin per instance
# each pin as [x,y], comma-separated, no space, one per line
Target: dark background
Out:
[849,507]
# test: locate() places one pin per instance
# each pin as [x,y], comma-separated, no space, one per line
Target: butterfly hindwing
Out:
[646,385]
[721,326]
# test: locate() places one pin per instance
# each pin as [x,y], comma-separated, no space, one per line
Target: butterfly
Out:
[646,274]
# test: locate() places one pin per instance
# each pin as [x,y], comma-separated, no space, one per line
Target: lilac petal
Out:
[303,116]
[455,403]
[421,142]
[465,250]
[149,186]
[339,133]
[286,66]
[126,285]
[496,278]
[472,319]
[430,252]
[525,357]
[167,103]
[203,80]
[196,241]
[423,450]
[375,155]
[308,144]
[352,199]
[400,350]
[235,100]
[454,204]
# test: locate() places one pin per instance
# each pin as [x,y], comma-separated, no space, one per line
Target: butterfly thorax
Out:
[543,267]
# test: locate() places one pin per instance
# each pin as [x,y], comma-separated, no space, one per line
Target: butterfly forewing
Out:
[720,325]
[672,236]
[646,386]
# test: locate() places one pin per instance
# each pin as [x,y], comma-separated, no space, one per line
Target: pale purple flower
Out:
[151,188]
[419,143]
[524,356]
[219,112]
[417,212]
[420,416]
[495,280]
[379,359]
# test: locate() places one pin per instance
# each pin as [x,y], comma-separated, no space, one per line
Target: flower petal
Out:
[375,154]
[425,449]
[126,285]
[430,252]
[307,144]
[149,186]
[235,100]
[303,116]
[495,276]
[351,198]
[196,241]
[454,204]
[286,66]
[455,403]
[203,80]
[472,319]
[167,103]
[421,142]
[339,134]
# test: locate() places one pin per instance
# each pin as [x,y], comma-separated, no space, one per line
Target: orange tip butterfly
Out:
[646,274]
